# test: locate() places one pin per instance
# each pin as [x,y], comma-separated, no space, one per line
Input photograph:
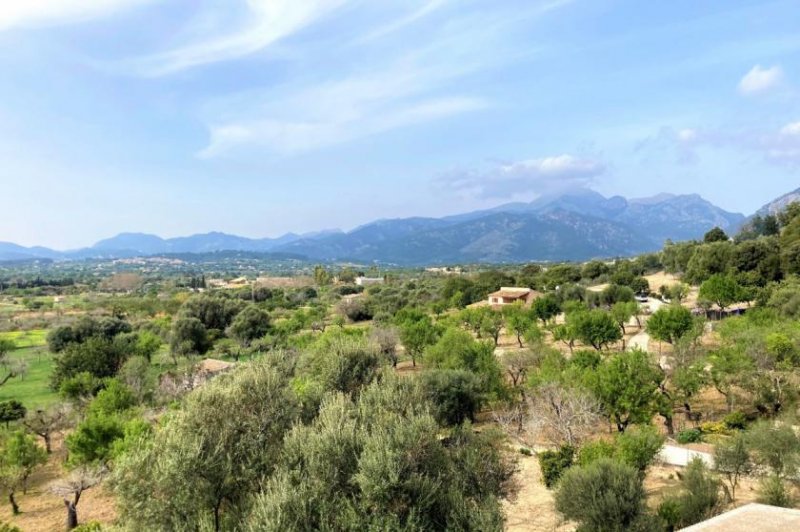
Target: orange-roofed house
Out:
[509,295]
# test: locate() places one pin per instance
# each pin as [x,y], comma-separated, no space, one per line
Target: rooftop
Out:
[749,518]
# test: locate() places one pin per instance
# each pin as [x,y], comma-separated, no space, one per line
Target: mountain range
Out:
[575,225]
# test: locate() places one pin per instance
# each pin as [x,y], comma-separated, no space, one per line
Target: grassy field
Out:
[32,389]
[32,338]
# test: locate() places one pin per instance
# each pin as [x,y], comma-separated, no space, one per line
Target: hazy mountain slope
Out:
[683,217]
[500,237]
[574,225]
[363,241]
[778,204]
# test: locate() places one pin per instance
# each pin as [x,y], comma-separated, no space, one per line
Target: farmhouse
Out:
[508,295]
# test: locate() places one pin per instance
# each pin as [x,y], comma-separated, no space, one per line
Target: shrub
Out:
[594,451]
[698,500]
[555,463]
[455,395]
[638,446]
[689,436]
[772,491]
[735,420]
[525,451]
[604,496]
[713,427]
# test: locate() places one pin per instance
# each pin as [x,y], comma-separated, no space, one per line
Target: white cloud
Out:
[539,176]
[791,129]
[34,13]
[760,80]
[687,135]
[266,22]
[426,9]
[339,111]
[373,88]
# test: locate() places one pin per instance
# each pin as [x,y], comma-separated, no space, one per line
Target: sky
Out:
[260,117]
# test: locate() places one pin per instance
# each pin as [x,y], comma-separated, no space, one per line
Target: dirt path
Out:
[533,509]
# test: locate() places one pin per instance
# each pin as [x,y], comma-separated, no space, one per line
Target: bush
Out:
[525,451]
[698,500]
[713,427]
[735,420]
[456,395]
[689,436]
[638,446]
[555,463]
[772,491]
[605,496]
[594,451]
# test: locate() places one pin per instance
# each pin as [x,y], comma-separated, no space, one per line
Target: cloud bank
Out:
[533,176]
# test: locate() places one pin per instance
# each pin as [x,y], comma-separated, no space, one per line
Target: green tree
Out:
[189,336]
[97,356]
[94,438]
[732,460]
[597,328]
[202,464]
[491,325]
[715,235]
[518,320]
[456,395]
[722,290]
[605,496]
[19,457]
[545,308]
[456,349]
[627,386]
[417,335]
[670,323]
[775,446]
[11,410]
[114,398]
[382,463]
[729,368]
[622,312]
[250,324]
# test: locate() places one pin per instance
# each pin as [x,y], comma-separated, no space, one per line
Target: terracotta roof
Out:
[511,292]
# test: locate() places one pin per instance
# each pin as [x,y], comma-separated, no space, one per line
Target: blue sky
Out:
[259,117]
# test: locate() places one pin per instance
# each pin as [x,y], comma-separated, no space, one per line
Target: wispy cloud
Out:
[339,111]
[538,176]
[265,22]
[35,13]
[393,89]
[777,145]
[760,80]
[426,9]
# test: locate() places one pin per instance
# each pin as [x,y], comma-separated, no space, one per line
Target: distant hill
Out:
[777,205]
[575,225]
[571,226]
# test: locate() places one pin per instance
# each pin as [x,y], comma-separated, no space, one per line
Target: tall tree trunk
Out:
[72,514]
[13,501]
[47,443]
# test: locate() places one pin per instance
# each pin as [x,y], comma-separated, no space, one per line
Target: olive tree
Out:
[606,496]
[201,464]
